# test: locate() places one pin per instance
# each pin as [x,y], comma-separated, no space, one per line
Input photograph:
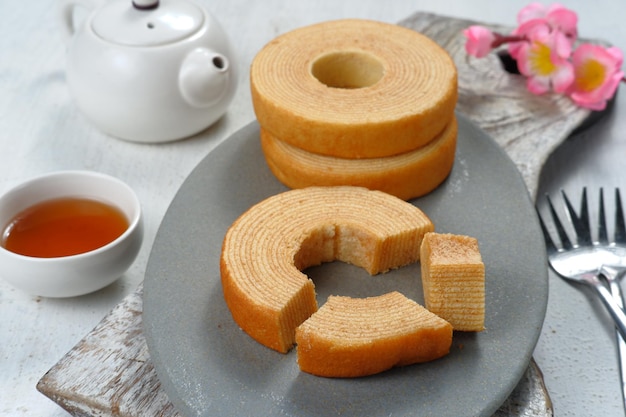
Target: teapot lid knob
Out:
[147,22]
[145,4]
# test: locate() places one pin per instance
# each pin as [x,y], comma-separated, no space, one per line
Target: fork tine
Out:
[580,222]
[603,237]
[620,228]
[565,242]
[550,246]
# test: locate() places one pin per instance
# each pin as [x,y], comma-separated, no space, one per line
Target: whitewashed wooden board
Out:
[109,372]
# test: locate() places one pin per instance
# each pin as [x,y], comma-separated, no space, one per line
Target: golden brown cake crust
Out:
[406,107]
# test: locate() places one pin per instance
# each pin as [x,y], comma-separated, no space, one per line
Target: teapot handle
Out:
[66,14]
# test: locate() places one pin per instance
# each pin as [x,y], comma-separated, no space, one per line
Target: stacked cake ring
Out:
[356,102]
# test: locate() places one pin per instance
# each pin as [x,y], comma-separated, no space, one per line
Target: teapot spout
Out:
[204,77]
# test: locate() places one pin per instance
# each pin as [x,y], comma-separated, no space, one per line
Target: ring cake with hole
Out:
[267,247]
[354,89]
[408,175]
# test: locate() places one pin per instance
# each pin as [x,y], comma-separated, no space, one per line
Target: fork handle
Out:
[616,292]
[613,276]
[609,302]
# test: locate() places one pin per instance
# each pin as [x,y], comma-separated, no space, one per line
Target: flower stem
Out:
[502,39]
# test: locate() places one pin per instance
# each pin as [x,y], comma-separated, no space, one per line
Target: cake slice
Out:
[353,337]
[453,279]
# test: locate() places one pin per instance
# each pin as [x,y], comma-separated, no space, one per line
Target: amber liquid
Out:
[63,227]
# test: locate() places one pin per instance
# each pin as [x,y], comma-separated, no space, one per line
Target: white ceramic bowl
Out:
[79,274]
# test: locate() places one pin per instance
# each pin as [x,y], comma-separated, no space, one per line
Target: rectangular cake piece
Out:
[453,279]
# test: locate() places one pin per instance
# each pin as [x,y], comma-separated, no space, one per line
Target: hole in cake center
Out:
[340,278]
[336,259]
[347,69]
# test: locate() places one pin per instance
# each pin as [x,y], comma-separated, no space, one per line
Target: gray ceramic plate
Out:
[209,367]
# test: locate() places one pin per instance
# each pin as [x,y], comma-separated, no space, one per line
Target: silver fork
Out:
[588,261]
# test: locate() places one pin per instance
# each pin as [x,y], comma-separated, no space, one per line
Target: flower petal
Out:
[563,78]
[538,85]
[563,20]
[616,54]
[561,45]
[479,40]
[532,11]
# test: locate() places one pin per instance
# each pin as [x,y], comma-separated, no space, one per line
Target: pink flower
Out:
[555,18]
[597,75]
[542,47]
[544,60]
[479,41]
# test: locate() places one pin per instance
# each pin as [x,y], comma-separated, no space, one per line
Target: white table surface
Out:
[41,130]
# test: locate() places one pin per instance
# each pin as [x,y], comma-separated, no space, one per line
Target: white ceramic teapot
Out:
[148,70]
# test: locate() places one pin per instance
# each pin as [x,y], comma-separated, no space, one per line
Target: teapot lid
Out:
[147,22]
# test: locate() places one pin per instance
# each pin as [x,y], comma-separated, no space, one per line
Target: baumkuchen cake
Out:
[353,88]
[351,337]
[453,279]
[267,247]
[408,175]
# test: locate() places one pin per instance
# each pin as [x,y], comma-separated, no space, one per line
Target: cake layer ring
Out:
[353,88]
[267,247]
[406,176]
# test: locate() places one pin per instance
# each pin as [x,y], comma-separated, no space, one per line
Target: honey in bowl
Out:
[63,227]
